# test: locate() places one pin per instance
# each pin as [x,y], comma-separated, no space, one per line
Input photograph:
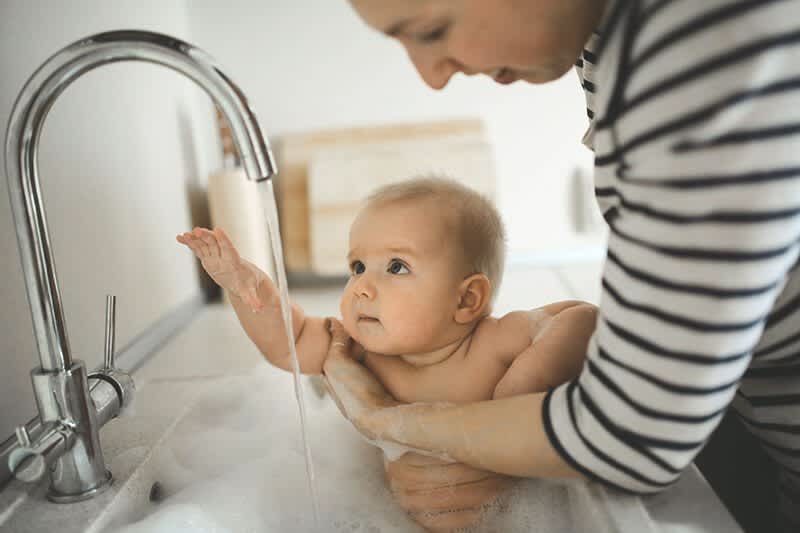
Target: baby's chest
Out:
[457,380]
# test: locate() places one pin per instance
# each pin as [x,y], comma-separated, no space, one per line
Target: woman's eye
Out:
[396,267]
[433,35]
[357,267]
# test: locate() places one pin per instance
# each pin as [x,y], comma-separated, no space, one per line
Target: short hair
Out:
[479,227]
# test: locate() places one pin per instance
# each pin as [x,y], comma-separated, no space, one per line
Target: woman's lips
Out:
[504,75]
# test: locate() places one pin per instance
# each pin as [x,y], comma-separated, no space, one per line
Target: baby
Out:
[426,258]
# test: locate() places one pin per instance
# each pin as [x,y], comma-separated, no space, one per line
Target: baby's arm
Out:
[266,329]
[560,335]
[256,301]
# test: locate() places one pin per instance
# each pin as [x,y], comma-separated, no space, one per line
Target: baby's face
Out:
[403,287]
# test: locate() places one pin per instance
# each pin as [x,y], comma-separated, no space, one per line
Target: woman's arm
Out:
[505,436]
[697,171]
[557,350]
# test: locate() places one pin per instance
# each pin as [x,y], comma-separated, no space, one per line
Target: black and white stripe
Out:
[695,111]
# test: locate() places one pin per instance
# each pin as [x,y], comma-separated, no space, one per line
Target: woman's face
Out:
[508,40]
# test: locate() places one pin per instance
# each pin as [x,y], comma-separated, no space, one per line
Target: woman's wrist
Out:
[505,436]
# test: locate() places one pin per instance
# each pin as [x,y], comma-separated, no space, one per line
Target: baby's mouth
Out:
[368,319]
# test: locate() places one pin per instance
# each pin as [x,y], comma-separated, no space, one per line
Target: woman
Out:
[695,125]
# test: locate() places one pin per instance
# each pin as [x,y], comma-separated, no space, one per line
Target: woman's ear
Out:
[475,294]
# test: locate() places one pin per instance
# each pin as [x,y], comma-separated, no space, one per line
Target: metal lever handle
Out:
[23,437]
[108,352]
[30,460]
[110,400]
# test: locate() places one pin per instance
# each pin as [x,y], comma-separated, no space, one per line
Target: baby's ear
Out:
[475,294]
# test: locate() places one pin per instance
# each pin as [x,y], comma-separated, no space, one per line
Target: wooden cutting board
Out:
[378,146]
[340,179]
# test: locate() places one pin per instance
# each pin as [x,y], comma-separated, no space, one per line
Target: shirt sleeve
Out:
[703,196]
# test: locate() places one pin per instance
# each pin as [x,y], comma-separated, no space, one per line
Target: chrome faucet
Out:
[71,411]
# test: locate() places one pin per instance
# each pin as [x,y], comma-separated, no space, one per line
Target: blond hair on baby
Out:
[478,227]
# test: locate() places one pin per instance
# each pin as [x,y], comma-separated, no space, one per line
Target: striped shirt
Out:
[695,125]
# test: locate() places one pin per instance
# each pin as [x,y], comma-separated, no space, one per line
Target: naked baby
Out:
[426,259]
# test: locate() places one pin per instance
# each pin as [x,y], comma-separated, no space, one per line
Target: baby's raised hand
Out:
[223,263]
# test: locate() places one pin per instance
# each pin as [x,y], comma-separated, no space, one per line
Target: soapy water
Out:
[234,464]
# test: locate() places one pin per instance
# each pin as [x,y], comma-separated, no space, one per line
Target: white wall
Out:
[309,64]
[117,165]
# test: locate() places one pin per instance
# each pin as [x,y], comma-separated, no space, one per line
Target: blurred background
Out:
[133,154]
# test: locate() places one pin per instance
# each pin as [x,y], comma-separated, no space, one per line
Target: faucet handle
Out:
[108,353]
[121,382]
[23,437]
[29,460]
[26,465]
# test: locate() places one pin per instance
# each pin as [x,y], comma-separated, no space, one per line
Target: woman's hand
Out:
[439,495]
[355,390]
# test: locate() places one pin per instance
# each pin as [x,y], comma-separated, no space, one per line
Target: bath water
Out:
[271,215]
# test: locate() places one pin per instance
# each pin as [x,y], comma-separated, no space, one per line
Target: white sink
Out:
[235,462]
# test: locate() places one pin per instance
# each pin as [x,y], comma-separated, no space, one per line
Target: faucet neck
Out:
[24,130]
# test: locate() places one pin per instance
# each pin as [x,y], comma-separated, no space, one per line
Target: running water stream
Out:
[271,214]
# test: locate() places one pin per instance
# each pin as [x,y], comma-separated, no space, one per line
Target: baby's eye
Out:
[397,267]
[357,267]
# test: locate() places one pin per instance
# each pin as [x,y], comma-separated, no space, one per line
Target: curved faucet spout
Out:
[24,129]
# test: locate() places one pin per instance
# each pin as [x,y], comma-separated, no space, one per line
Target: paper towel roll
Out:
[235,205]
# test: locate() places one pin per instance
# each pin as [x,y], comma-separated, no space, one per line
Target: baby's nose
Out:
[365,288]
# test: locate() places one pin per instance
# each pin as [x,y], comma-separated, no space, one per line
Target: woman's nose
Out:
[435,72]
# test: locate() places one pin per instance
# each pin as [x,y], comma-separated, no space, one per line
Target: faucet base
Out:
[57,497]
[79,471]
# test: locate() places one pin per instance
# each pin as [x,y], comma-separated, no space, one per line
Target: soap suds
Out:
[235,464]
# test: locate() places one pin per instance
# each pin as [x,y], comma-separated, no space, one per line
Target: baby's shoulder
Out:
[510,333]
[522,324]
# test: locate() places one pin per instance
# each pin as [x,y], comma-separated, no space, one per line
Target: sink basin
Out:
[213,444]
[234,461]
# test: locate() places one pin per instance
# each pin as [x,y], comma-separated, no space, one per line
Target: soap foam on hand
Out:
[392,450]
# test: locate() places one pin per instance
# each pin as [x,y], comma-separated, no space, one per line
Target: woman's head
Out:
[532,40]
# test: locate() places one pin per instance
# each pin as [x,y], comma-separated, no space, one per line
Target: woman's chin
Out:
[545,73]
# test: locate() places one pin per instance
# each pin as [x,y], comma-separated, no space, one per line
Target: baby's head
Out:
[426,258]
